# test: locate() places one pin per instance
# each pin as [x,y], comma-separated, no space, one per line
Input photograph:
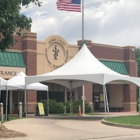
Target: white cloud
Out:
[113,22]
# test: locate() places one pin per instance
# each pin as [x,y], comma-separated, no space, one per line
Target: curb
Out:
[69,117]
[121,125]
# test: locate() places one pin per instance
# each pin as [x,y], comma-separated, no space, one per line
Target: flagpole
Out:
[81,45]
[82,21]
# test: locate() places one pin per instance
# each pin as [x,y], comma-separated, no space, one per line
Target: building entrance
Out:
[98,101]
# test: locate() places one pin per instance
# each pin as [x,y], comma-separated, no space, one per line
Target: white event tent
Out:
[18,83]
[82,69]
[3,83]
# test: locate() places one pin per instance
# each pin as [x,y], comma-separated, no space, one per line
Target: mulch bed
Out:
[6,133]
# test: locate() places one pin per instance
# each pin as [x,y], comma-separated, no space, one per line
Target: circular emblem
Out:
[56,54]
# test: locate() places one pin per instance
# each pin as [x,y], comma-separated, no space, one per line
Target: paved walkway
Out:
[74,128]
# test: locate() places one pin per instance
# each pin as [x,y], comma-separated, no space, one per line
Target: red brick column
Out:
[129,96]
[30,55]
[88,93]
[129,90]
[79,92]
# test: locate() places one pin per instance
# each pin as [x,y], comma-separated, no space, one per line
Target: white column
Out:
[83,100]
[104,101]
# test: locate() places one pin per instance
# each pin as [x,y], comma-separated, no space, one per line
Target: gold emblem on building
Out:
[56,53]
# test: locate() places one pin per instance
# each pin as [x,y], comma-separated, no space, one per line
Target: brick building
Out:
[36,57]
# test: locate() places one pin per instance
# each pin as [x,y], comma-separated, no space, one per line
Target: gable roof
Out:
[82,69]
[19,83]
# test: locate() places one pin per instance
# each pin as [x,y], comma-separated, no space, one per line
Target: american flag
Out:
[69,5]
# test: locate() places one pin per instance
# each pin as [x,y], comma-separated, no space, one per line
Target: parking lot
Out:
[69,128]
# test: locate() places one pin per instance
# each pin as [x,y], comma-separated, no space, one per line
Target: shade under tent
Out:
[18,83]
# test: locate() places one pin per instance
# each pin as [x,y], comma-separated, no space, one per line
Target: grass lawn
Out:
[10,118]
[132,120]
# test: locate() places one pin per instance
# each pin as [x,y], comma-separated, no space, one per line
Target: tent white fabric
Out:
[3,82]
[83,68]
[18,82]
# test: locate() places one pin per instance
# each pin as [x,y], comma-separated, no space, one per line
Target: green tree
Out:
[11,19]
[137,53]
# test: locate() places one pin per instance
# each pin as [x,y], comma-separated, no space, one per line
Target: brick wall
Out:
[108,52]
[31,62]
[79,92]
[31,101]
[18,45]
[129,90]
[88,91]
[29,48]
[27,43]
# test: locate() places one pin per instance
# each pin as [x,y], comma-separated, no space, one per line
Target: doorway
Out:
[96,101]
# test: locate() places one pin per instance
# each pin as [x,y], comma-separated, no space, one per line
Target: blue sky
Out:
[112,22]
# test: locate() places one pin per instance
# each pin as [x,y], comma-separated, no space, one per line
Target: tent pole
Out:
[48,103]
[18,100]
[25,106]
[139,100]
[71,107]
[18,96]
[83,100]
[6,112]
[104,101]
[0,95]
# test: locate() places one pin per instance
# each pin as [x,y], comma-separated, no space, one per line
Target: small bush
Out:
[76,104]
[58,107]
[54,107]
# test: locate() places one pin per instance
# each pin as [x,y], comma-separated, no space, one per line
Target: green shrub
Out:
[58,107]
[76,104]
[54,107]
